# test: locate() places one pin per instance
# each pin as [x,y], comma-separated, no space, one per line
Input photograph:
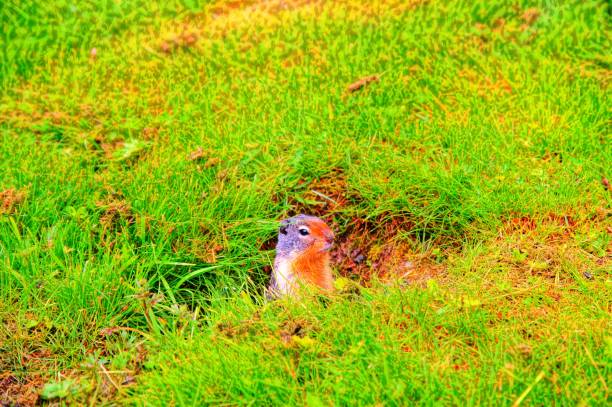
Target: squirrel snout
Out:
[328,241]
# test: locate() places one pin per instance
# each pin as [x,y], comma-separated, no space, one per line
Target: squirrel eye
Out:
[283,230]
[304,232]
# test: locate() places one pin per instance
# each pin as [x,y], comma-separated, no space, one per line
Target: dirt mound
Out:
[379,248]
[363,249]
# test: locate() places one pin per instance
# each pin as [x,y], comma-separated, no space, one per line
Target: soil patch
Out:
[377,248]
[364,248]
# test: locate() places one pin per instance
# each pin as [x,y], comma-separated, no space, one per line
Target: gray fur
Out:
[291,241]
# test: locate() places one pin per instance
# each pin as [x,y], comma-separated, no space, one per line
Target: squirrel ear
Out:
[283,230]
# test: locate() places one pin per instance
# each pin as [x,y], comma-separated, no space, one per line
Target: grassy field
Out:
[461,151]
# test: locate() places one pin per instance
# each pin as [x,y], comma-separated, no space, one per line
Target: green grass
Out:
[130,273]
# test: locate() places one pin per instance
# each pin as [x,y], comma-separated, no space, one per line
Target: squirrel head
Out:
[302,232]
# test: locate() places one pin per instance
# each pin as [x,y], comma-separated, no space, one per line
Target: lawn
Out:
[461,151]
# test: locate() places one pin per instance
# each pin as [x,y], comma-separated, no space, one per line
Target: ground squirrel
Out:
[302,256]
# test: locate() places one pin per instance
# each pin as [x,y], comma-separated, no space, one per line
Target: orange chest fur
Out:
[312,266]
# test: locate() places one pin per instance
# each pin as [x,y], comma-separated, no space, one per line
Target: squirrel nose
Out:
[329,241]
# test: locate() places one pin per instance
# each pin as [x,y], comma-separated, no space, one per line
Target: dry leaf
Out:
[363,82]
[10,199]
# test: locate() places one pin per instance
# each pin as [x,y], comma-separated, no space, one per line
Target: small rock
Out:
[587,275]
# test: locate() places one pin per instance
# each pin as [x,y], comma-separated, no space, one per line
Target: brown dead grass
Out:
[531,15]
[231,16]
[548,248]
[187,37]
[10,199]
[206,250]
[115,212]
[22,387]
[24,371]
[233,329]
[109,146]
[16,391]
[291,328]
[225,7]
